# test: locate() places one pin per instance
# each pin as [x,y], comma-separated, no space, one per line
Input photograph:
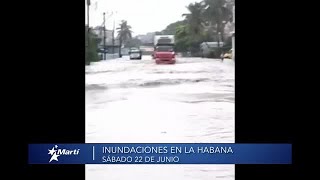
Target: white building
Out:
[108,36]
[111,42]
[146,38]
[210,48]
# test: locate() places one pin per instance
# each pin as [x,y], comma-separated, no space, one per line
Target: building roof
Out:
[211,44]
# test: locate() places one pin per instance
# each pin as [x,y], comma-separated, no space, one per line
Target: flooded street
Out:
[141,102]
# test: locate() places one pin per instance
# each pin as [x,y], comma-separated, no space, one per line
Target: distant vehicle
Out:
[164,49]
[135,53]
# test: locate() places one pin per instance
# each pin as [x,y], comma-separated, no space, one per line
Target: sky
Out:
[142,15]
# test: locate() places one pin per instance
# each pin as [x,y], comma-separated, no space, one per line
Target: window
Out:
[164,48]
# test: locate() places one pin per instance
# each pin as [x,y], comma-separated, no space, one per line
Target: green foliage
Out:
[171,28]
[205,20]
[124,32]
[158,33]
[91,54]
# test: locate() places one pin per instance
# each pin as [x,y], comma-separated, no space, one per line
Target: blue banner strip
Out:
[160,153]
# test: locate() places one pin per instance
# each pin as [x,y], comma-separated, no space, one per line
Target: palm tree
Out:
[194,28]
[194,18]
[124,34]
[217,13]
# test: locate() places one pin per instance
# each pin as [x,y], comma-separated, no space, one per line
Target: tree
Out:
[195,18]
[203,23]
[190,35]
[171,28]
[124,33]
[91,54]
[218,13]
[182,38]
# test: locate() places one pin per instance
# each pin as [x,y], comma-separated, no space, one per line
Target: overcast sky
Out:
[143,15]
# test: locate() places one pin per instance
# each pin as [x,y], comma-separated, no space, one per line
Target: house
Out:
[147,38]
[211,49]
[111,41]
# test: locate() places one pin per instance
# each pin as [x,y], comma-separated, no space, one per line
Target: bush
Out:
[91,53]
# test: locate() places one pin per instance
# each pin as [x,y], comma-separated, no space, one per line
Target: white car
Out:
[135,53]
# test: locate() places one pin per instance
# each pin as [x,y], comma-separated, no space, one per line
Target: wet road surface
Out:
[138,101]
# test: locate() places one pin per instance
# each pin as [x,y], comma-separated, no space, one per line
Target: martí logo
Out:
[55,152]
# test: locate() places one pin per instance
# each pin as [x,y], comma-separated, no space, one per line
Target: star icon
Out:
[54,157]
[52,151]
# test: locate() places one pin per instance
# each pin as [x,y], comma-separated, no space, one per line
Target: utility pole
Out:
[113,32]
[218,39]
[219,49]
[104,36]
[113,36]
[88,38]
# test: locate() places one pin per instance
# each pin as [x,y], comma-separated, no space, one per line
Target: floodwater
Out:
[137,101]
